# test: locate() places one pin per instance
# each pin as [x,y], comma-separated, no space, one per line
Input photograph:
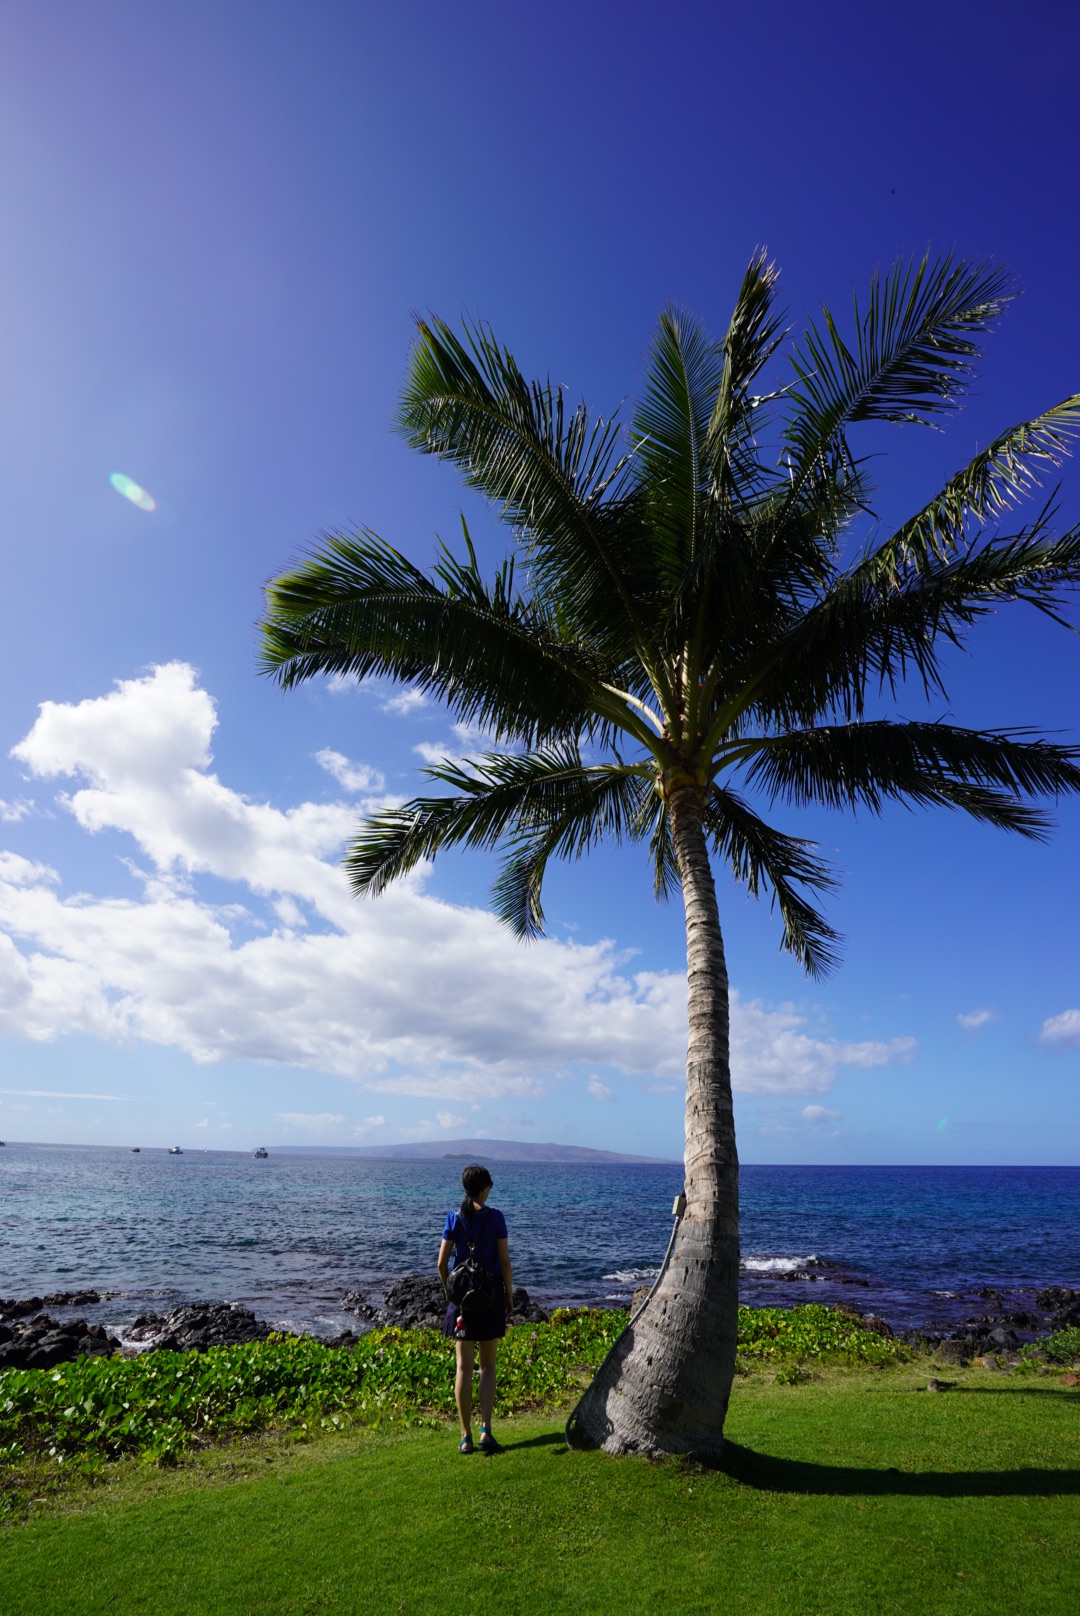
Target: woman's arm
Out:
[503,1248]
[444,1263]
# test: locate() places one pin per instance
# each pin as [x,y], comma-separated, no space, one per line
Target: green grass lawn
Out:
[849,1493]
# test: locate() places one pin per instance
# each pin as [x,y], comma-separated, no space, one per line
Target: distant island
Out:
[467,1150]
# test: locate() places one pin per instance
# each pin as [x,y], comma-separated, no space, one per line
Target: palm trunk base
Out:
[664,1387]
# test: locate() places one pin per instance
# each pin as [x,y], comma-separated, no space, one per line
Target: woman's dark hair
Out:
[473,1180]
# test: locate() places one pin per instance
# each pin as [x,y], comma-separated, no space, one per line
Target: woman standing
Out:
[479,1231]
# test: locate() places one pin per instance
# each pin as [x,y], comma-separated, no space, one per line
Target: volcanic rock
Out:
[954,1352]
[198,1326]
[42,1342]
[12,1309]
[417,1302]
[359,1302]
[1062,1302]
[526,1311]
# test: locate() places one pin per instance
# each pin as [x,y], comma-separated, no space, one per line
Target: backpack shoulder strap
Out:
[479,1225]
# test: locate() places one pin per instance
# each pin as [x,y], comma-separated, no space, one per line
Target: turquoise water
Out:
[287,1235]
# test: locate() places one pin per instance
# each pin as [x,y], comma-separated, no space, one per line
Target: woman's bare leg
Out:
[463,1382]
[488,1350]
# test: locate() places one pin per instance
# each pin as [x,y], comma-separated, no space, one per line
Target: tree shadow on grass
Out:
[548,1440]
[769,1474]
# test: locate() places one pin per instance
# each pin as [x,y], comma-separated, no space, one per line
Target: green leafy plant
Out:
[162,1404]
[812,1334]
[1061,1347]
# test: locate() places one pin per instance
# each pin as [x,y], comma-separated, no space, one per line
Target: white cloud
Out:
[450,1119]
[818,1114]
[405,995]
[771,1055]
[373,1122]
[12,812]
[1061,1030]
[436,756]
[311,1119]
[205,1123]
[470,743]
[598,1090]
[391,698]
[975,1020]
[350,776]
[405,702]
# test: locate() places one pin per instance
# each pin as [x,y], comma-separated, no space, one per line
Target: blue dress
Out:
[485,1229]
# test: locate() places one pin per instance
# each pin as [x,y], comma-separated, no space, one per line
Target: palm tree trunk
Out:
[665,1385]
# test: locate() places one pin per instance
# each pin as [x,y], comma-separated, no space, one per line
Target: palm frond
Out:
[542,804]
[668,431]
[992,483]
[729,456]
[357,607]
[761,857]
[875,628]
[866,765]
[552,472]
[913,354]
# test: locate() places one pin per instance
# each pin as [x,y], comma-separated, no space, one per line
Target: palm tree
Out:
[689,644]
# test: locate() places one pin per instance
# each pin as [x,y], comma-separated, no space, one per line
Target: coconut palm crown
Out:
[694,633]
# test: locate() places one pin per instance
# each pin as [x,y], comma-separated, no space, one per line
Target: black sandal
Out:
[487,1443]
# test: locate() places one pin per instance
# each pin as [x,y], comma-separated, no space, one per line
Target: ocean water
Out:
[286,1236]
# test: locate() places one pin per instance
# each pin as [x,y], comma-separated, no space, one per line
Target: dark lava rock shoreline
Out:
[32,1338]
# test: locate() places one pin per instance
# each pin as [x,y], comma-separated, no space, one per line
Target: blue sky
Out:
[219,218]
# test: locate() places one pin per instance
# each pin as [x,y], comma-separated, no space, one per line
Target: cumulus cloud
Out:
[598,1090]
[1062,1030]
[407,995]
[450,1119]
[350,776]
[817,1115]
[975,1020]
[12,812]
[470,742]
[406,701]
[771,1054]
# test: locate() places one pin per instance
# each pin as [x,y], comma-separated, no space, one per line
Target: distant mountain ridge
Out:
[466,1150]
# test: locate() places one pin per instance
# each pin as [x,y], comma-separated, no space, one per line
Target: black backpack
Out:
[470,1284]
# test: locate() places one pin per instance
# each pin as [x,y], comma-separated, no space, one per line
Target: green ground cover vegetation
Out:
[846,1485]
[162,1404]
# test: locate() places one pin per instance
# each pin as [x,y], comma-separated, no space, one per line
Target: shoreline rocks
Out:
[32,1337]
[42,1342]
[417,1303]
[197,1326]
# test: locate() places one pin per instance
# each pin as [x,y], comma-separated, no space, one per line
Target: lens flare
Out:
[944,1123]
[131,490]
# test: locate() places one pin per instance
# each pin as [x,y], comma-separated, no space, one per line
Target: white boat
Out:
[174,1150]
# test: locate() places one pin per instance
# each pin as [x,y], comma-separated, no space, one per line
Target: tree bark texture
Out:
[664,1387]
